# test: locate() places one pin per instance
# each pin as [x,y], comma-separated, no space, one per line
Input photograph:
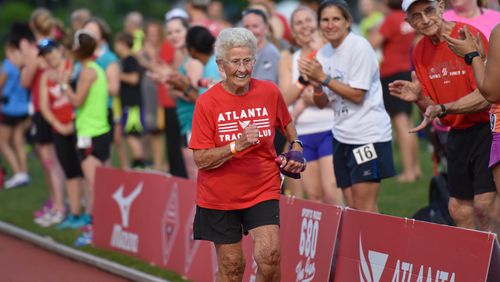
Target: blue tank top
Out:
[17,96]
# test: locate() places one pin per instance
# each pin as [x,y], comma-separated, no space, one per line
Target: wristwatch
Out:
[326,81]
[470,56]
[298,142]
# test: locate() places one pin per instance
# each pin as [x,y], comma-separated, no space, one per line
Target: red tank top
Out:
[59,102]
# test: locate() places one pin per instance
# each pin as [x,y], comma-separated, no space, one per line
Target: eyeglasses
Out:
[247,63]
[417,17]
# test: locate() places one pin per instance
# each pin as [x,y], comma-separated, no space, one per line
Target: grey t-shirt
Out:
[267,64]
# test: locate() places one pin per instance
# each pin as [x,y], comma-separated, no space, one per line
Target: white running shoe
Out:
[18,179]
[50,218]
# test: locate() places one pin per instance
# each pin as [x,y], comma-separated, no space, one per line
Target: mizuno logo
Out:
[124,203]
[371,268]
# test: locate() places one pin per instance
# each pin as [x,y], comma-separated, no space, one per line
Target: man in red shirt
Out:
[239,182]
[444,87]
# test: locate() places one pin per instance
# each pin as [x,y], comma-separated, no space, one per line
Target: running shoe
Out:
[50,218]
[78,223]
[68,222]
[87,218]
[47,206]
[17,180]
[73,222]
[85,239]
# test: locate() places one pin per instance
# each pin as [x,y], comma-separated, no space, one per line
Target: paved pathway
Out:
[22,261]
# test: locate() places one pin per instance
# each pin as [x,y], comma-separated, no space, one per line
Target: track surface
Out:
[22,261]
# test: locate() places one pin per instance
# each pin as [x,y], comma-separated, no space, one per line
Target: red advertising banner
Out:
[494,269]
[309,240]
[308,232]
[150,216]
[124,212]
[376,247]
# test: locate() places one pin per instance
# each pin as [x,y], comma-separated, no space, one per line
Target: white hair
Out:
[234,37]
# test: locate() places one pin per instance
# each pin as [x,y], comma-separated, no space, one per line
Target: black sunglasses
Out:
[46,45]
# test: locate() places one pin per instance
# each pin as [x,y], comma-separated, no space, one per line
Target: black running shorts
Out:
[227,227]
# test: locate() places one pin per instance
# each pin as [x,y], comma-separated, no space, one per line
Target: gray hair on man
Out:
[234,37]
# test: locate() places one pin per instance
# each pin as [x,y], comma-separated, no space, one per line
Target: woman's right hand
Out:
[409,91]
[29,52]
[64,129]
[249,137]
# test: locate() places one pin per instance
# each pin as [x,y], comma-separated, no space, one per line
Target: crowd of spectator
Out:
[83,93]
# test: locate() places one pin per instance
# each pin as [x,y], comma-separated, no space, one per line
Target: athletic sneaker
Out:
[87,218]
[17,180]
[84,239]
[47,206]
[50,218]
[71,221]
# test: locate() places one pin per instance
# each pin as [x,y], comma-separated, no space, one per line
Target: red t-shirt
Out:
[398,40]
[167,56]
[445,77]
[251,176]
[59,102]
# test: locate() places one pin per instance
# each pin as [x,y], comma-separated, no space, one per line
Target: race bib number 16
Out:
[364,153]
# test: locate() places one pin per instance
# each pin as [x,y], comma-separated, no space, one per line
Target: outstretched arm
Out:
[410,91]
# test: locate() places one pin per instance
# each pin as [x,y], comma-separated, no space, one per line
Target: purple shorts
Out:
[495,150]
[317,145]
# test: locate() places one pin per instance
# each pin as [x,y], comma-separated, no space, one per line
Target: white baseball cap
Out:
[407,3]
[176,13]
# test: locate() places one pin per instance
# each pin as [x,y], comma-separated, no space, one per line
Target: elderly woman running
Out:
[238,180]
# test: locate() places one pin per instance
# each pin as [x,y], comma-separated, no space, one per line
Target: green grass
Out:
[404,199]
[17,206]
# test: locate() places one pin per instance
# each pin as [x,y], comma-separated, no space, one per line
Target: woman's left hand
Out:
[291,164]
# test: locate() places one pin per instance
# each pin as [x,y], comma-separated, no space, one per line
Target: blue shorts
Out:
[349,172]
[317,145]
